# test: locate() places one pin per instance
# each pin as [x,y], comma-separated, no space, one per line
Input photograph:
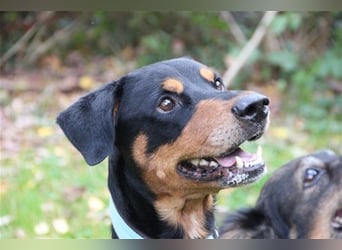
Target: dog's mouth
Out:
[231,169]
[336,222]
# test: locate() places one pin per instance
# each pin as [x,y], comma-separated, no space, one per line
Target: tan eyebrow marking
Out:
[173,85]
[207,74]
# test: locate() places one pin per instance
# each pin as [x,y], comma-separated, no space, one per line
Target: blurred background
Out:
[49,59]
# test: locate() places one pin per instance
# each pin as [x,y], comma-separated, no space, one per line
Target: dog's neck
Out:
[158,217]
[193,215]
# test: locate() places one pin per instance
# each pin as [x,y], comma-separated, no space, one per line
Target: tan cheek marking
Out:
[195,139]
[139,150]
[320,228]
[207,74]
[193,142]
[173,85]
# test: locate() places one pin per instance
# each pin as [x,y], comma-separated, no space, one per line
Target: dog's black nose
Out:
[252,107]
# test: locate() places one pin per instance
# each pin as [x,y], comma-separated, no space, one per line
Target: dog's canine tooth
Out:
[239,162]
[259,152]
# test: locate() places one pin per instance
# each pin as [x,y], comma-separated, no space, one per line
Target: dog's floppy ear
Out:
[247,223]
[89,123]
[325,155]
[271,207]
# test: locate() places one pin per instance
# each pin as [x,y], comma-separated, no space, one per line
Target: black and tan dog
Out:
[302,199]
[172,134]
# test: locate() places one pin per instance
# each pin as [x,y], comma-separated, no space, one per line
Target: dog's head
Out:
[173,134]
[175,125]
[302,199]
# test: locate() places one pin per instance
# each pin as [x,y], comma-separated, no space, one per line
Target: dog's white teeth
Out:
[203,162]
[213,164]
[337,224]
[239,162]
[259,152]
[338,219]
[195,162]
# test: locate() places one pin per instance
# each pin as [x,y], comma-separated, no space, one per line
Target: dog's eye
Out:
[310,176]
[166,104]
[218,84]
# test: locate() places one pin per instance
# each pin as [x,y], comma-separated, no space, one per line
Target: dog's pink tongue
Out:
[339,213]
[230,160]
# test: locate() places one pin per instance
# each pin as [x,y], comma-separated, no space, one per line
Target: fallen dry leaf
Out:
[86,82]
[95,204]
[48,207]
[73,193]
[45,131]
[60,225]
[20,233]
[3,187]
[42,228]
[5,220]
[280,132]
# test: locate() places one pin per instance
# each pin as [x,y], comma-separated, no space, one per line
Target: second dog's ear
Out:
[247,223]
[325,155]
[89,123]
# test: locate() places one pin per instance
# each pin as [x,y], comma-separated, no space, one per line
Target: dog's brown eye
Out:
[166,104]
[309,176]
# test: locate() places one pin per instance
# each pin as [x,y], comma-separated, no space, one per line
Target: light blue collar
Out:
[124,231]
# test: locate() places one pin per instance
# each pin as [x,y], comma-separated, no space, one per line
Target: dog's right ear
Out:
[325,155]
[89,123]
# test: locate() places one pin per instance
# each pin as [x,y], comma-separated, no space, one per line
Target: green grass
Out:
[43,181]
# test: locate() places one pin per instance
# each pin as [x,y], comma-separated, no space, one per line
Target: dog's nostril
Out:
[266,101]
[249,111]
[252,107]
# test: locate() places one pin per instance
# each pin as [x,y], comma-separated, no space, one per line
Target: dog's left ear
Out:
[89,123]
[248,223]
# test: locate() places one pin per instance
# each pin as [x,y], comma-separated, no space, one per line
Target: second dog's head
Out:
[302,199]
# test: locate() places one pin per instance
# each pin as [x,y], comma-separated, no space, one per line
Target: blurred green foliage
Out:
[205,36]
[151,34]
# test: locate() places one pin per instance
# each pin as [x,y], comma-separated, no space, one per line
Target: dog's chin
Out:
[336,223]
[235,168]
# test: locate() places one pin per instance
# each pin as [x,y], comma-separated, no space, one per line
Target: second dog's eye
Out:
[219,85]
[310,176]
[166,104]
